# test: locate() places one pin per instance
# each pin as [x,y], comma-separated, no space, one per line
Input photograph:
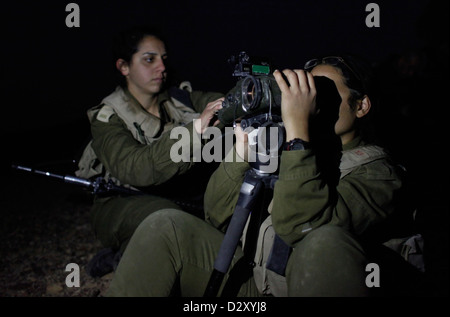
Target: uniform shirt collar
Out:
[162,96]
[353,143]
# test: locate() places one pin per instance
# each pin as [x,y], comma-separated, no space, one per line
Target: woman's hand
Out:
[241,142]
[298,101]
[208,113]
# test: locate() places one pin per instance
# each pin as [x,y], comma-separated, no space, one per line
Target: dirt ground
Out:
[45,226]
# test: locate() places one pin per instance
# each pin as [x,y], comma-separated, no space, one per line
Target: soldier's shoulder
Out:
[105,113]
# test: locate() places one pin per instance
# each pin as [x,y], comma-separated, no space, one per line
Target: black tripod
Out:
[252,202]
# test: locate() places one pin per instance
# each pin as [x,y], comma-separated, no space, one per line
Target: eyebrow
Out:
[153,54]
[149,53]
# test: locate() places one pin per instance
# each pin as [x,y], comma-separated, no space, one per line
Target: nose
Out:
[161,66]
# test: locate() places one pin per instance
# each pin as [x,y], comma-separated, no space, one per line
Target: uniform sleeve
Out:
[223,191]
[200,99]
[303,202]
[134,163]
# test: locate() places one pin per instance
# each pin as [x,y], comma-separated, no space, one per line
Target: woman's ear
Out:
[122,67]
[363,107]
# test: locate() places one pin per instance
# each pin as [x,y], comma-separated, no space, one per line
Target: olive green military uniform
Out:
[320,221]
[133,147]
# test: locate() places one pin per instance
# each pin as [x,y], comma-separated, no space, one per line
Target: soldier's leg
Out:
[327,262]
[115,219]
[171,252]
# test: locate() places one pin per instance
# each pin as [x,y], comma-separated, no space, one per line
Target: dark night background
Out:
[52,74]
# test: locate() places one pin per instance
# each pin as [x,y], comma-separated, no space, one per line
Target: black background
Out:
[52,74]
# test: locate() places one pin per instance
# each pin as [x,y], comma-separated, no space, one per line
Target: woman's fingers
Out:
[281,81]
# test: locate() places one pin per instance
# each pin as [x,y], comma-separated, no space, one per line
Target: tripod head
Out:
[266,136]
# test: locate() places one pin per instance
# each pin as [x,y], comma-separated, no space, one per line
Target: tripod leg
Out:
[250,190]
[227,250]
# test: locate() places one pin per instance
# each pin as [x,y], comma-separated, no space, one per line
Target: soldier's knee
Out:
[162,218]
[329,261]
[327,248]
[328,237]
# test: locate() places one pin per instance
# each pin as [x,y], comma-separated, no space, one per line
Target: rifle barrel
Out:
[76,180]
[66,178]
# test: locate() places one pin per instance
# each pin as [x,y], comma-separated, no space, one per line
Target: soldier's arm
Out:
[303,201]
[200,99]
[132,162]
[223,190]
